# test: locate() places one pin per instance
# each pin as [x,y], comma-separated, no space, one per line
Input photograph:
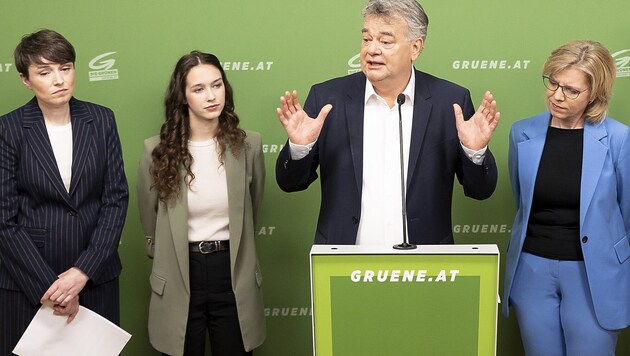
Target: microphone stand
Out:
[405,245]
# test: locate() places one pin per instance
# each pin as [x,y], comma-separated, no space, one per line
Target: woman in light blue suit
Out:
[568,266]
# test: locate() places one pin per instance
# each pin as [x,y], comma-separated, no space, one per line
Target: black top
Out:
[553,230]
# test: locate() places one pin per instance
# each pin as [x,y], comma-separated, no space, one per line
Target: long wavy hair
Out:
[172,153]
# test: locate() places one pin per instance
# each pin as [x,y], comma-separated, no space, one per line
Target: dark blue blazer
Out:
[44,229]
[435,158]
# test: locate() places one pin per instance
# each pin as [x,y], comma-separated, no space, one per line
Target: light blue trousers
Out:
[554,309]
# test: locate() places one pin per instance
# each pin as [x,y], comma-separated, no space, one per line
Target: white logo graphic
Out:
[5,67]
[623,63]
[247,66]
[355,64]
[273,148]
[266,230]
[102,68]
[493,64]
[481,229]
[288,311]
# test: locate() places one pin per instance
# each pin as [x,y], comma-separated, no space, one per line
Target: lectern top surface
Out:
[481,249]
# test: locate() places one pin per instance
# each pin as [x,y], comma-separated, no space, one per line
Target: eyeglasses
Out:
[568,92]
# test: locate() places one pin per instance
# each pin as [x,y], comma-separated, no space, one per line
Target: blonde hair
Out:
[595,61]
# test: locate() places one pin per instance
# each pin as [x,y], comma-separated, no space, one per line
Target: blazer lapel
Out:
[529,155]
[594,156]
[354,110]
[421,114]
[36,136]
[82,140]
[178,220]
[235,174]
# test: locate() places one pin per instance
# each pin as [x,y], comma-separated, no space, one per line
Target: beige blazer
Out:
[166,229]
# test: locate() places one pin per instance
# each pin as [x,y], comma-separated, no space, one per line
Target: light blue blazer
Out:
[604,210]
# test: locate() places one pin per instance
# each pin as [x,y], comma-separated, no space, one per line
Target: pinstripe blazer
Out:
[45,229]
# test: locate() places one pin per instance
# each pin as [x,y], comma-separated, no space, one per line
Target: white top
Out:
[208,217]
[61,142]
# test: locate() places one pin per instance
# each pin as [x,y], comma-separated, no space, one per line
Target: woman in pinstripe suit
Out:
[63,195]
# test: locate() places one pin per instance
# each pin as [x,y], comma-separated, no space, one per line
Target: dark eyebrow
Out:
[50,64]
[201,84]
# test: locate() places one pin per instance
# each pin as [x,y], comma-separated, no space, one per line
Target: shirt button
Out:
[584,239]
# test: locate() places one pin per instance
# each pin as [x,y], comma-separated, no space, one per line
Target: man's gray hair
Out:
[409,10]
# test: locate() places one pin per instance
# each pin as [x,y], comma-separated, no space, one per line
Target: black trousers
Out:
[212,307]
[16,311]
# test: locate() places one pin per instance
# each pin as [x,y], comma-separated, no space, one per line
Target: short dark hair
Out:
[46,44]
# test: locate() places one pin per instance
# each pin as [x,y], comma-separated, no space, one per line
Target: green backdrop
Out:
[127,50]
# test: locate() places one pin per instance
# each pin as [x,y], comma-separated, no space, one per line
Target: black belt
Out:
[209,246]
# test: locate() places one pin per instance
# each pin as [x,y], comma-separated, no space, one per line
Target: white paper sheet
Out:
[88,334]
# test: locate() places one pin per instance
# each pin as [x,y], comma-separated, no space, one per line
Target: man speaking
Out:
[349,127]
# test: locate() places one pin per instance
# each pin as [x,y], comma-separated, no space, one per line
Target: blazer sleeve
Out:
[622,170]
[18,253]
[147,198]
[296,175]
[513,168]
[257,185]
[114,199]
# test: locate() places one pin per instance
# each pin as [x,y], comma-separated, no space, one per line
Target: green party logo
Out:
[623,62]
[355,64]
[102,68]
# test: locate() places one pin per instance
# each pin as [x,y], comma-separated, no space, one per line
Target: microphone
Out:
[400,99]
[405,245]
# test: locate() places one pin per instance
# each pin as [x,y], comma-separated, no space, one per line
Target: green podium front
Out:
[434,300]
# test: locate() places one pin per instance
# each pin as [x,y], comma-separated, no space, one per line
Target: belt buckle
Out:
[206,247]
